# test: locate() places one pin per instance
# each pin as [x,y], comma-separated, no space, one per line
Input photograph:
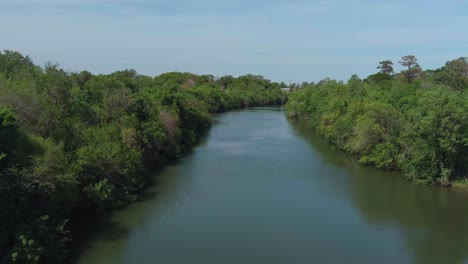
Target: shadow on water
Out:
[90,227]
[433,221]
[87,227]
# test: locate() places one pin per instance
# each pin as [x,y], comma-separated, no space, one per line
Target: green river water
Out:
[262,189]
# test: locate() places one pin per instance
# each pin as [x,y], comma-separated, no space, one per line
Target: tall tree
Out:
[386,67]
[413,68]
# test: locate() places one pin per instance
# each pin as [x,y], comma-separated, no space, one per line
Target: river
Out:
[262,189]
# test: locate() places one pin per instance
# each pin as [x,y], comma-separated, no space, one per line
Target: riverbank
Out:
[419,128]
[79,141]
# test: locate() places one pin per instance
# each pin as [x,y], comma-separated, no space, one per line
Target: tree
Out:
[304,84]
[386,67]
[459,65]
[83,77]
[13,63]
[413,70]
[8,132]
[453,74]
[225,81]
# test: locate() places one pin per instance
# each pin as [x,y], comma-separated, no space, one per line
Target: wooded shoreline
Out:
[414,121]
[72,141]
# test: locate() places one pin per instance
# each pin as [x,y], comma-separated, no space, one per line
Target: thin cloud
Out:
[283,40]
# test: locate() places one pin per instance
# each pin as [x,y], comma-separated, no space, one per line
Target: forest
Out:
[414,121]
[76,141]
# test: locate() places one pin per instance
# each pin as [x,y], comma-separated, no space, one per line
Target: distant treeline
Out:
[414,121]
[74,141]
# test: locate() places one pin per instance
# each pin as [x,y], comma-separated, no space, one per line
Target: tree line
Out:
[80,141]
[414,121]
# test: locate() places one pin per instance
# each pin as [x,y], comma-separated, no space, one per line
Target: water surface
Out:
[261,189]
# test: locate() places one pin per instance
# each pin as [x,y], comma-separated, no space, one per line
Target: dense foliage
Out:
[415,121]
[70,141]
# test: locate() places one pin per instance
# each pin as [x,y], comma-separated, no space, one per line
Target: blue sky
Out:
[291,41]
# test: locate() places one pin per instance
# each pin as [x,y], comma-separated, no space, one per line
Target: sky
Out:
[290,41]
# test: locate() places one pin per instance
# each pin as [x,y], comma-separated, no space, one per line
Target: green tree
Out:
[8,133]
[386,67]
[14,64]
[453,74]
[413,68]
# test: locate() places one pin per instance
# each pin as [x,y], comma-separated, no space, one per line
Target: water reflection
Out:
[432,221]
